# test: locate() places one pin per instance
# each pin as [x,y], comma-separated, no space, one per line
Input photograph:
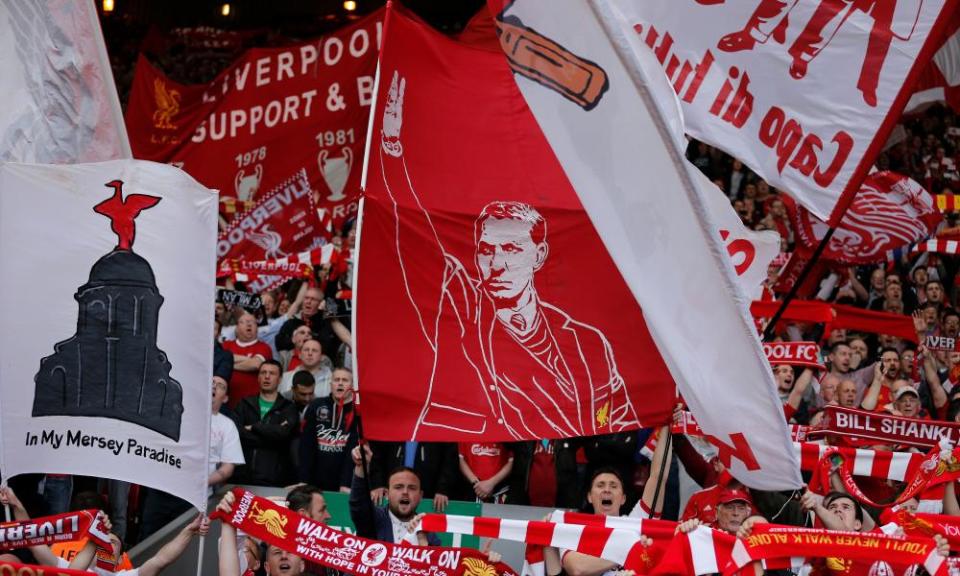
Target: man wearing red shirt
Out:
[486,465]
[248,354]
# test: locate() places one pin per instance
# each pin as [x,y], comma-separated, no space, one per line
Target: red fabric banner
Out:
[51,529]
[890,211]
[863,428]
[283,222]
[320,544]
[806,354]
[273,113]
[921,524]
[771,541]
[256,268]
[507,313]
[840,316]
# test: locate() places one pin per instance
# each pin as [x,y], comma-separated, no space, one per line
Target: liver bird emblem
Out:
[168,105]
[269,240]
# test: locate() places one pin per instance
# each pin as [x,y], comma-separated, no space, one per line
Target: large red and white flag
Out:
[805,92]
[60,104]
[513,317]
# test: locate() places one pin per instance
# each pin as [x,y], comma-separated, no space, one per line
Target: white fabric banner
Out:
[750,252]
[60,105]
[108,303]
[618,152]
[803,91]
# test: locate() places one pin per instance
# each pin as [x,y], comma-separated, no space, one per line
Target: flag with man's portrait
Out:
[549,269]
[508,320]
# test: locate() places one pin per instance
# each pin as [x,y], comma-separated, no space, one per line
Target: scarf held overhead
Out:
[320,544]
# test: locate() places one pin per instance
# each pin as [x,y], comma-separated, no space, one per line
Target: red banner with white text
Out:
[805,93]
[864,428]
[320,544]
[270,115]
[806,354]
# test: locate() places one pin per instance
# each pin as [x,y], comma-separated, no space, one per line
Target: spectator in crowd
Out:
[314,363]
[393,523]
[934,292]
[436,463]
[859,352]
[302,392]
[544,473]
[308,500]
[486,466]
[330,433]
[276,561]
[222,360]
[267,422]
[248,354]
[886,373]
[605,497]
[847,394]
[290,359]
[734,505]
[312,315]
[906,401]
[160,508]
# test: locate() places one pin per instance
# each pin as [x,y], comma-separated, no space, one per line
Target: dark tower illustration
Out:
[112,367]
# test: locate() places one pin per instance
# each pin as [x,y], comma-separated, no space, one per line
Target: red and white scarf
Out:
[863,428]
[51,529]
[320,544]
[769,542]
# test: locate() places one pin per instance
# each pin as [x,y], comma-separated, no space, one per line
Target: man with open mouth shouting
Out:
[403,496]
[606,497]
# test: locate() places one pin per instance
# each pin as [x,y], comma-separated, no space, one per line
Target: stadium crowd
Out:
[283,412]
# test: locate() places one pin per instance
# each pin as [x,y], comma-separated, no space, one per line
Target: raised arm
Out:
[658,477]
[229,563]
[937,393]
[873,392]
[799,387]
[423,252]
[42,553]
[174,548]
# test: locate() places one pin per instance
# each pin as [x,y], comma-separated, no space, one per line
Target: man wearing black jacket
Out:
[267,422]
[545,474]
[437,464]
[393,523]
[329,434]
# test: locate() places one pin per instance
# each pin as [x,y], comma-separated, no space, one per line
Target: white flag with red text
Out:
[804,92]
[60,103]
[594,103]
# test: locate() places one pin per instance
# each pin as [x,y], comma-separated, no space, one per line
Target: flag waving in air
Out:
[805,92]
[544,284]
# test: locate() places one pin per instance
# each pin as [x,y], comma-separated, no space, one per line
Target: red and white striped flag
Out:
[702,551]
[897,466]
[938,246]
